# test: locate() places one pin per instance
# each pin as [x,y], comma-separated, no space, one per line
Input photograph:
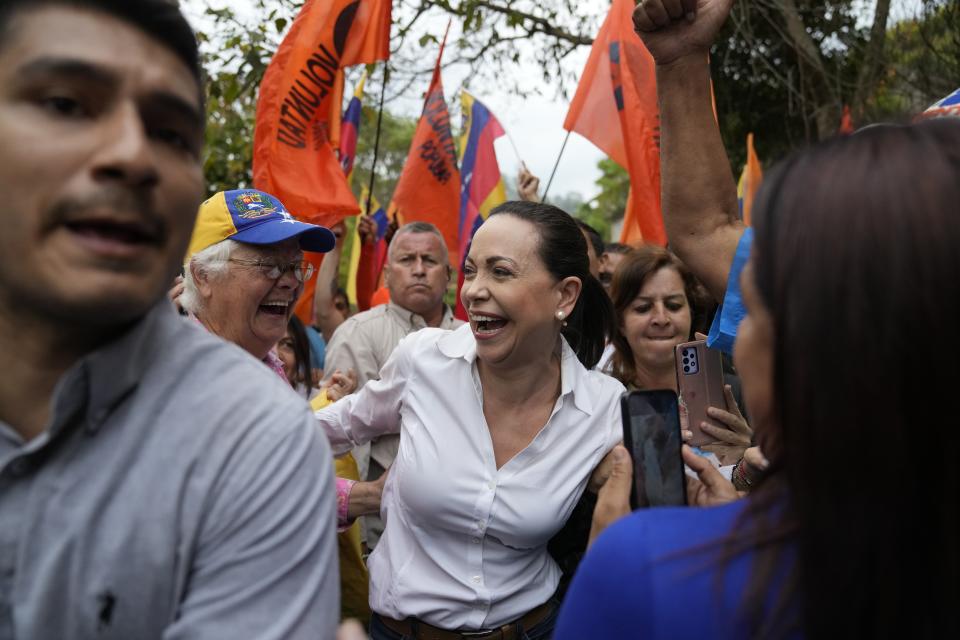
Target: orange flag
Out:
[292,155]
[615,107]
[749,183]
[429,187]
[846,122]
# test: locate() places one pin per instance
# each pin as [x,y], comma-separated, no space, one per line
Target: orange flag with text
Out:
[615,107]
[429,186]
[292,155]
[749,183]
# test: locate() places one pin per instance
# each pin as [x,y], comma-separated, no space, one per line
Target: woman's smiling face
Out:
[658,319]
[511,298]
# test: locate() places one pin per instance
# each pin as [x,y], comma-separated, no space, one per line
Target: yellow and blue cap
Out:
[253,217]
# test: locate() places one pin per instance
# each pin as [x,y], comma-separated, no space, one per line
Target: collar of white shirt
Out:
[460,343]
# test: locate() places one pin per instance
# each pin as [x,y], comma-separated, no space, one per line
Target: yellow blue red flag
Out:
[949,106]
[481,185]
[350,129]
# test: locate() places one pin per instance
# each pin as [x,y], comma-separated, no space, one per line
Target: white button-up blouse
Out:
[465,545]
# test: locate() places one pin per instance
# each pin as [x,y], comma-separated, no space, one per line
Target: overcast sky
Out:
[535,123]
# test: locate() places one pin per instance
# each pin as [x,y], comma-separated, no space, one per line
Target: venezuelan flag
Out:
[481,185]
[380,217]
[949,106]
[350,129]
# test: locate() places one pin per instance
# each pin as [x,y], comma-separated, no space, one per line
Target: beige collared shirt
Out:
[364,342]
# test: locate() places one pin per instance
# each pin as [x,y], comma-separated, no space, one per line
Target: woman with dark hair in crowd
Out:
[846,358]
[502,425]
[294,352]
[660,304]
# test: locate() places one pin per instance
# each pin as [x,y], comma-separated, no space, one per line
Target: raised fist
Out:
[672,29]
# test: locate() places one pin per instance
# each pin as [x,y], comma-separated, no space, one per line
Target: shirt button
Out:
[476,541]
[491,485]
[476,579]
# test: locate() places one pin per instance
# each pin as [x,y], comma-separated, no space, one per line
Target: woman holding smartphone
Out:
[847,359]
[502,423]
[659,304]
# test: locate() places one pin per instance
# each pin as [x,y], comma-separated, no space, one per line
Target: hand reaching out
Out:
[175,292]
[528,185]
[732,432]
[613,499]
[351,630]
[710,488]
[341,384]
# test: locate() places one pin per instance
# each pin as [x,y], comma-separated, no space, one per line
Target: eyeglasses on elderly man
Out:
[274,270]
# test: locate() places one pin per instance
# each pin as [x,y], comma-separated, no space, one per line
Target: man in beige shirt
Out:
[417,275]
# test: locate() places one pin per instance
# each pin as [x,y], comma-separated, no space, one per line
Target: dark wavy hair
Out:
[857,256]
[301,352]
[563,251]
[632,273]
[162,20]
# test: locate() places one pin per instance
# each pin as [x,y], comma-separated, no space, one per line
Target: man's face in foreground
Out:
[100,173]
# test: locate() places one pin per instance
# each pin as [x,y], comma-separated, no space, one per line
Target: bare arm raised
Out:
[699,196]
[326,317]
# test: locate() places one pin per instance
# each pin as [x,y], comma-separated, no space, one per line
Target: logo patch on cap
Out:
[251,205]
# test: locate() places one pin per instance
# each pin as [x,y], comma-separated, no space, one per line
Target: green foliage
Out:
[235,61]
[924,55]
[609,205]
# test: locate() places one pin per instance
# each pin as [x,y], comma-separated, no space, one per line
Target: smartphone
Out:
[700,382]
[651,433]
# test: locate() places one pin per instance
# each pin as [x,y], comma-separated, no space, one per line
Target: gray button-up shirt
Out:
[180,490]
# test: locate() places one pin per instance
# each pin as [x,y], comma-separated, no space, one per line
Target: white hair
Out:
[211,261]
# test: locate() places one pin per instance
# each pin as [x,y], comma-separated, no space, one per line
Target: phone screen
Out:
[651,433]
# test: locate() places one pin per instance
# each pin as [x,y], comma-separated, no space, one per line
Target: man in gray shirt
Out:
[155,482]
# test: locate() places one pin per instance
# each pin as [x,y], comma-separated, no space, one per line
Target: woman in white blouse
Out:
[501,423]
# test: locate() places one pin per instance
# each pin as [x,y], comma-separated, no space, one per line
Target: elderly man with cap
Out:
[243,275]
[245,269]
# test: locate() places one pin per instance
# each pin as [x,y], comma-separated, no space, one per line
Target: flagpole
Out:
[515,151]
[376,139]
[555,165]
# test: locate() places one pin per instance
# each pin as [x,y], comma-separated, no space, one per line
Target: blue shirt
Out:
[723,331]
[654,574]
[318,348]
